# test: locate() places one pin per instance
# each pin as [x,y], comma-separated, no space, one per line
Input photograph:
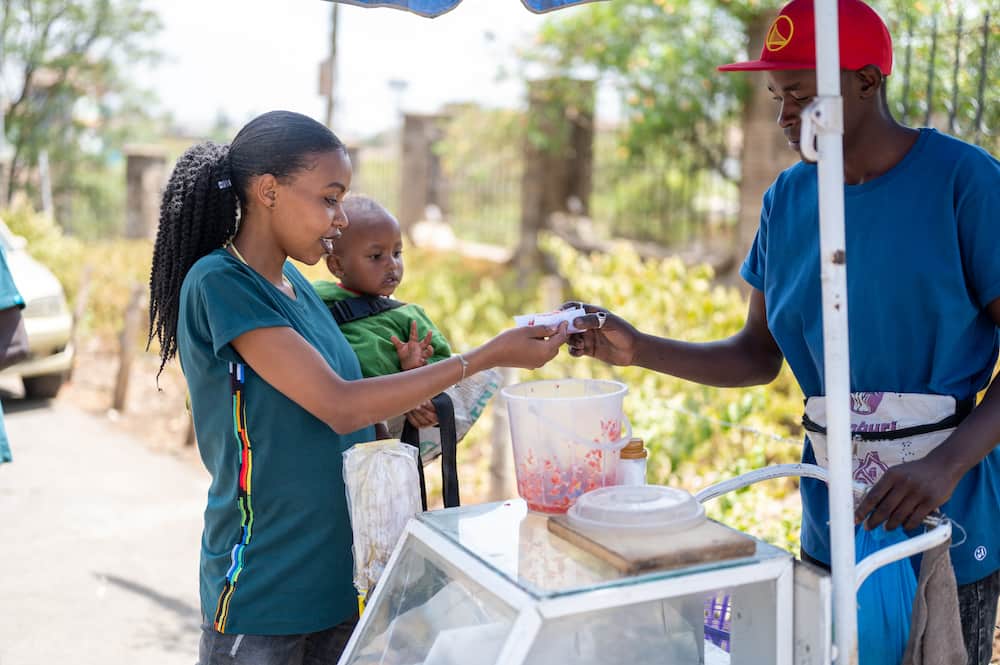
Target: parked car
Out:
[47,320]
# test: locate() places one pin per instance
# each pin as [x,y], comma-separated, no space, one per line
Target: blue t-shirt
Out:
[923,262]
[276,547]
[9,297]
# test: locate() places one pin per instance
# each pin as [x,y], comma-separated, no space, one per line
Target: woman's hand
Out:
[415,351]
[527,348]
[423,416]
[606,337]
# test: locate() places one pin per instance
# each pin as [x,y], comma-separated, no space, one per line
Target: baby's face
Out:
[368,258]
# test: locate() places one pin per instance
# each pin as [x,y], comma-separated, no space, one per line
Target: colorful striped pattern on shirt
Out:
[237,380]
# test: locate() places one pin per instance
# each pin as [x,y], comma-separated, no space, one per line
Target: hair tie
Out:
[224,168]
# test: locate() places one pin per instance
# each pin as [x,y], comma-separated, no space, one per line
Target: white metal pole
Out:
[836,360]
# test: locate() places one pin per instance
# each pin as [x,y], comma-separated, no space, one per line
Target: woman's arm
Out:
[750,357]
[291,365]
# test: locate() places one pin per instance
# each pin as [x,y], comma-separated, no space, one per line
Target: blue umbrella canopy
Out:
[432,8]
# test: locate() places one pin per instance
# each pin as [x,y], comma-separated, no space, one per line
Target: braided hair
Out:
[201,203]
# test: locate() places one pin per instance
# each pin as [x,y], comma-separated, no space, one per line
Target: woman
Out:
[276,391]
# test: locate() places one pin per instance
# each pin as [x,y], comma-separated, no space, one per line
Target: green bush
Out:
[696,435]
[114,266]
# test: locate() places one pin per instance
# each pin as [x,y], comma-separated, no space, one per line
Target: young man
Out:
[924,293]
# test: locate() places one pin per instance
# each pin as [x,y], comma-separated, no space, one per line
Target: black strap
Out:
[411,436]
[361,307]
[449,451]
[963,408]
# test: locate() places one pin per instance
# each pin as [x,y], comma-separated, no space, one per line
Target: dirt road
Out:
[99,543]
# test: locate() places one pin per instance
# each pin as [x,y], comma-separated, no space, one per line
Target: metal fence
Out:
[486,209]
[377,176]
[948,76]
[669,197]
[673,196]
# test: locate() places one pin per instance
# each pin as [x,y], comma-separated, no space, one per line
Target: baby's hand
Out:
[415,352]
[423,416]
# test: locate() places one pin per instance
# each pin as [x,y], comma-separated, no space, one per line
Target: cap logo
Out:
[780,34]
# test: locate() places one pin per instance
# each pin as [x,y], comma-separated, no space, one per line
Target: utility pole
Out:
[331,64]
[398,87]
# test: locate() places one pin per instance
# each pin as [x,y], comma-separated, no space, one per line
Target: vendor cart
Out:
[493,584]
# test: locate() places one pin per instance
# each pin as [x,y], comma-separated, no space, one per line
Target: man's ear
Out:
[869,81]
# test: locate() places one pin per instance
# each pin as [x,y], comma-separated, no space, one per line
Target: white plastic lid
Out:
[639,507]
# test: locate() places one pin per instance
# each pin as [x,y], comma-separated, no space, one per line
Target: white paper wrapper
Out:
[383,493]
[551,318]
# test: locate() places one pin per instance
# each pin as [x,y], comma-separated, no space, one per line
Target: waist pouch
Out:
[887,429]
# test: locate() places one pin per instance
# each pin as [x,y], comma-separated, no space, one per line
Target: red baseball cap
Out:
[791,40]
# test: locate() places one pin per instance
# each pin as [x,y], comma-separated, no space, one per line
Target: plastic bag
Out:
[469,399]
[383,493]
[885,601]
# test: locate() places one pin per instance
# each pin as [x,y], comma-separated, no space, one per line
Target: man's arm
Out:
[750,357]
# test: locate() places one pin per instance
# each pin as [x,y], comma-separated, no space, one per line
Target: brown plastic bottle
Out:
[632,463]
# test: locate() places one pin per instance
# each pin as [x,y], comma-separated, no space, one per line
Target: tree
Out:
[662,54]
[947,66]
[66,63]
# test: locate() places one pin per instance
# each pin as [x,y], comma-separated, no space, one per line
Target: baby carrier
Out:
[456,408]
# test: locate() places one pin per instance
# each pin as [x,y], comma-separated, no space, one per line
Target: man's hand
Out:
[415,351]
[906,494]
[606,337]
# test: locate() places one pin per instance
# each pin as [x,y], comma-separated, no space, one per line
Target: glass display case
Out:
[491,584]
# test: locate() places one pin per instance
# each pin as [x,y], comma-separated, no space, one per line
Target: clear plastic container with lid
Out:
[636,509]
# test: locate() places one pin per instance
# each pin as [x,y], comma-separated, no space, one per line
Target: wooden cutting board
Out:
[710,541]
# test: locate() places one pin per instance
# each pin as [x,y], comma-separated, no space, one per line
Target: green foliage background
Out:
[74,94]
[696,435]
[114,265]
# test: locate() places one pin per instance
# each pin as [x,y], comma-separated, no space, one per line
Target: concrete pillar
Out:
[421,179]
[354,154]
[145,175]
[558,158]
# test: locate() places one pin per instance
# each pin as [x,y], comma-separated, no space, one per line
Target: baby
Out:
[368,262]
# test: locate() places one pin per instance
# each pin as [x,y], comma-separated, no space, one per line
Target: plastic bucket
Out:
[566,435]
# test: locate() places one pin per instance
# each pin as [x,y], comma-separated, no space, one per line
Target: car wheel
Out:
[43,387]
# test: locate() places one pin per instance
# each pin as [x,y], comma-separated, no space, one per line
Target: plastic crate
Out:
[718,617]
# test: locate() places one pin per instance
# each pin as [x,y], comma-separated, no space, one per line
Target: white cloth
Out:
[873,412]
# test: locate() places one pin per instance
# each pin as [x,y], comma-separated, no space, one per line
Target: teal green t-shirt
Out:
[276,546]
[371,337]
[9,297]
